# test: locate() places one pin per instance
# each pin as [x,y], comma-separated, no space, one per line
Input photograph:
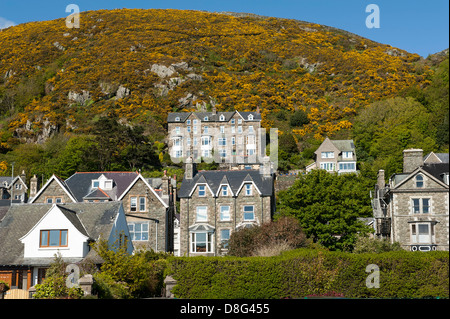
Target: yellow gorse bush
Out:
[245,63]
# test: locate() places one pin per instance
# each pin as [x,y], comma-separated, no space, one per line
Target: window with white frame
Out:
[133,204]
[224,238]
[189,129]
[222,129]
[201,214]
[195,130]
[239,121]
[347,166]
[206,140]
[142,204]
[422,233]
[225,213]
[233,121]
[138,231]
[224,189]
[222,141]
[188,122]
[222,117]
[201,190]
[233,129]
[419,181]
[239,129]
[420,205]
[205,129]
[250,130]
[249,212]
[201,242]
[248,189]
[327,166]
[223,152]
[327,154]
[347,154]
[250,117]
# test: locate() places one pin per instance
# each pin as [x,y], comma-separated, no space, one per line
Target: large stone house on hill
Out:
[229,137]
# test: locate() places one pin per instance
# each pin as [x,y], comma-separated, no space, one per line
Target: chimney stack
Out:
[412,159]
[33,186]
[189,169]
[381,179]
[165,184]
[266,167]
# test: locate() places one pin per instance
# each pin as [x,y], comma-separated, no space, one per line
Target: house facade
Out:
[32,234]
[149,203]
[412,208]
[14,188]
[213,204]
[226,137]
[335,156]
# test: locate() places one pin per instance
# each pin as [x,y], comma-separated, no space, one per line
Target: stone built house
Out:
[213,204]
[413,207]
[335,156]
[149,203]
[31,235]
[230,137]
[14,187]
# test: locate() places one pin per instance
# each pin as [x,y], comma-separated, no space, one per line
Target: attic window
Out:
[177,119]
[419,181]
[95,184]
[222,118]
[206,118]
[250,117]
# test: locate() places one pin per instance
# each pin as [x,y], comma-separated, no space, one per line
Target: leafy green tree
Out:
[328,205]
[384,129]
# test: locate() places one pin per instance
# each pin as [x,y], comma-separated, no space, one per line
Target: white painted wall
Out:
[77,245]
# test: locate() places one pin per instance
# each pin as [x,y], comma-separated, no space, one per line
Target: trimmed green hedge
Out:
[303,272]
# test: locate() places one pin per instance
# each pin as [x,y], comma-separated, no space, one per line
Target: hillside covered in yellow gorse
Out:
[141,64]
[68,76]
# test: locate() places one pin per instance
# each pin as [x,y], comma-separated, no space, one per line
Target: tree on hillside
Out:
[384,129]
[327,206]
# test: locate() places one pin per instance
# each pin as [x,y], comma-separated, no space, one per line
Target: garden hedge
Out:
[303,272]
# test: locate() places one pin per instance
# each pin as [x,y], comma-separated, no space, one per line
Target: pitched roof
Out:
[91,219]
[235,179]
[212,117]
[80,183]
[344,145]
[61,183]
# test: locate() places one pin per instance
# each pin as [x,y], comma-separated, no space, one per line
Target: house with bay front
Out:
[214,204]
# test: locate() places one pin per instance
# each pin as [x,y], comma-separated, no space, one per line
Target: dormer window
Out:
[419,181]
[205,119]
[103,183]
[250,117]
[222,118]
[177,119]
[108,184]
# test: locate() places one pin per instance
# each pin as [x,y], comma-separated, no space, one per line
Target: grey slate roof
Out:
[235,179]
[344,145]
[437,170]
[80,184]
[92,219]
[211,116]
